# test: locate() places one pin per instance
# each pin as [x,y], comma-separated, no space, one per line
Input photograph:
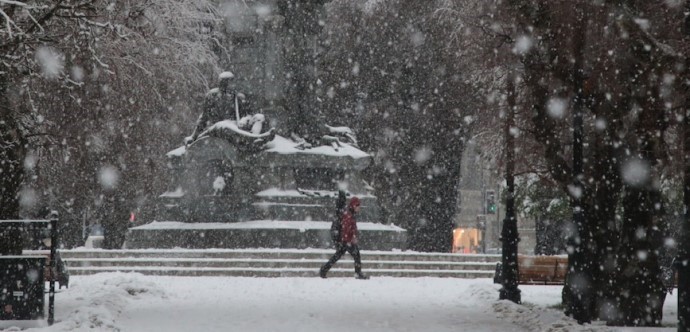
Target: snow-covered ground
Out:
[133,302]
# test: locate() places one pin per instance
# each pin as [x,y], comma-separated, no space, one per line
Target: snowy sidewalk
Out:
[133,302]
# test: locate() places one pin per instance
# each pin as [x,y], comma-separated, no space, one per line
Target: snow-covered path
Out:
[133,302]
[301,304]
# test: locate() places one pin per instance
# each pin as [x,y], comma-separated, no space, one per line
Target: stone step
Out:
[276,254]
[287,272]
[313,264]
[276,263]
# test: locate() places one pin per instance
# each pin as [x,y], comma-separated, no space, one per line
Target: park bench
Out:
[549,270]
[59,273]
[542,270]
[538,270]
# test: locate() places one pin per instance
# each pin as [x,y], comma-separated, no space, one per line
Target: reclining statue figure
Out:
[227,114]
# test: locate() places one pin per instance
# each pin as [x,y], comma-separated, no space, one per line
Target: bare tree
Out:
[28,30]
[113,88]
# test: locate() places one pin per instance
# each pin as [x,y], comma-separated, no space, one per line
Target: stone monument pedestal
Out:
[279,197]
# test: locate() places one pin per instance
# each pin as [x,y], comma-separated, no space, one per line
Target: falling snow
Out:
[108,177]
[52,63]
[557,107]
[446,118]
[523,45]
[635,172]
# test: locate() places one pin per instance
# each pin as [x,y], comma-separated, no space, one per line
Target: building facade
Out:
[481,209]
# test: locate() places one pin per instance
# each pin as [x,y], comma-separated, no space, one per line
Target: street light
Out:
[509,234]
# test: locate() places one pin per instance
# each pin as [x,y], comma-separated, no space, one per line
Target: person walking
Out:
[348,241]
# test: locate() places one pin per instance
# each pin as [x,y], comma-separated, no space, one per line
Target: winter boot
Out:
[322,273]
[361,276]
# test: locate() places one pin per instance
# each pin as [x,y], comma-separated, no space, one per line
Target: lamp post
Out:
[509,233]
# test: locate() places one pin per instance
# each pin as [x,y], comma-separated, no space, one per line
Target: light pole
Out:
[509,233]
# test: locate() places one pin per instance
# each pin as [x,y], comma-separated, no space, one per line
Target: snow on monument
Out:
[232,188]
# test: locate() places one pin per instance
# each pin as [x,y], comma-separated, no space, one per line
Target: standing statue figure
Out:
[222,103]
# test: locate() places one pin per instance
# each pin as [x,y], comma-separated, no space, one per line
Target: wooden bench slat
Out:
[542,269]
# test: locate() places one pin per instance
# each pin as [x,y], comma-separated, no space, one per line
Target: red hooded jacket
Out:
[348,233]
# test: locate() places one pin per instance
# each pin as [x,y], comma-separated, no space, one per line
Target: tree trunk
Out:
[12,154]
[437,209]
[682,262]
[640,289]
[603,200]
[302,22]
[115,220]
[578,291]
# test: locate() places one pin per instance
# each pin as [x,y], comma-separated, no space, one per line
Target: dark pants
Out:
[340,250]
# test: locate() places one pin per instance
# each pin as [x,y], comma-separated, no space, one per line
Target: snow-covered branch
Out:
[639,28]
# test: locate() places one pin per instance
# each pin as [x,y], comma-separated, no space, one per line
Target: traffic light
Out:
[490,202]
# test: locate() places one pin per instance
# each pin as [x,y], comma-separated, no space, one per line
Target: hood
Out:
[354,202]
